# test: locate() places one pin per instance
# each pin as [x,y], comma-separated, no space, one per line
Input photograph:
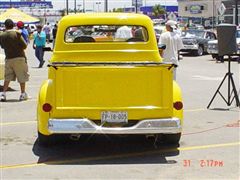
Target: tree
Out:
[118,10]
[63,12]
[158,10]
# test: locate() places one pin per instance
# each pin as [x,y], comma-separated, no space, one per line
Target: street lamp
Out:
[98,3]
[79,8]
[236,12]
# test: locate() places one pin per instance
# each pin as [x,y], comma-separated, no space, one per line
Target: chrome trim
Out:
[212,51]
[190,47]
[73,64]
[86,126]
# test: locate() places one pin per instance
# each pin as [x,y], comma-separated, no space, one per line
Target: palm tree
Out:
[158,10]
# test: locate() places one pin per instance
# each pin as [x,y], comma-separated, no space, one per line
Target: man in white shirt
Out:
[123,32]
[173,43]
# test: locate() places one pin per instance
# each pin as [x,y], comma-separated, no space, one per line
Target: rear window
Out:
[105,33]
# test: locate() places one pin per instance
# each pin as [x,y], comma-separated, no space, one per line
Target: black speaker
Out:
[226,34]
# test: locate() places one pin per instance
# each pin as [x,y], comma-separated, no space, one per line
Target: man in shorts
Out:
[15,63]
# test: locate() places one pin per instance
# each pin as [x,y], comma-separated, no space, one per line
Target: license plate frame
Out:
[114,117]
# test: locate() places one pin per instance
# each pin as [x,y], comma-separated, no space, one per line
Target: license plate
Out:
[188,46]
[114,117]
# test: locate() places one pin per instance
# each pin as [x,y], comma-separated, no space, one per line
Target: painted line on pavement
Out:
[119,156]
[17,123]
[195,110]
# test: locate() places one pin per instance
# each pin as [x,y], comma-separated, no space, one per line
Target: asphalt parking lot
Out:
[209,147]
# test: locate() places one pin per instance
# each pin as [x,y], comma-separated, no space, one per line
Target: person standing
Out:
[15,63]
[173,44]
[39,42]
[54,33]
[47,30]
[23,31]
[124,32]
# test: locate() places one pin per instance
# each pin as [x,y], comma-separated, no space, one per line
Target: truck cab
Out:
[106,77]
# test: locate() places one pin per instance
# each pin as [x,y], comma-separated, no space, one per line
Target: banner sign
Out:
[195,9]
[38,4]
[139,2]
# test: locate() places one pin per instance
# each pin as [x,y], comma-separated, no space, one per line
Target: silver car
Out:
[196,41]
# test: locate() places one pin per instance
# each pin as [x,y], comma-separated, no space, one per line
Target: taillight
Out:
[47,107]
[178,105]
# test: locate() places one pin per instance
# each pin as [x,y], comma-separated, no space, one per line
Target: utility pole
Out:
[83,6]
[236,12]
[75,6]
[10,3]
[106,5]
[136,6]
[213,17]
[67,6]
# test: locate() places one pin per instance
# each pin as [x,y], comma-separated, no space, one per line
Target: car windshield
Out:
[192,33]
[105,33]
[158,31]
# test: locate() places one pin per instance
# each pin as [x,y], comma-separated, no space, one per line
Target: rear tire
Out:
[171,138]
[214,56]
[220,58]
[49,140]
[45,140]
[200,51]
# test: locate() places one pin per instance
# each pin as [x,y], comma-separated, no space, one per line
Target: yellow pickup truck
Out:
[106,77]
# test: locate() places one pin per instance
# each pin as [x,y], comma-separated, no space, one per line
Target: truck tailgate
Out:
[85,91]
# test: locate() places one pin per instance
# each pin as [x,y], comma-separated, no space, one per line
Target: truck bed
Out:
[85,91]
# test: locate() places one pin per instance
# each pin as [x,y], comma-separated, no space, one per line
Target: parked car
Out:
[196,26]
[159,29]
[2,28]
[196,41]
[108,86]
[31,28]
[213,47]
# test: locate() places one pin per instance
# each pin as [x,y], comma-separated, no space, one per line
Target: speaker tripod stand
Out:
[229,77]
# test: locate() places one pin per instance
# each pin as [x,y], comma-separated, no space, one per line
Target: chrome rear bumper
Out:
[86,126]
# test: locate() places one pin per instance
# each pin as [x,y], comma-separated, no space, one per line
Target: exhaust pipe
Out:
[75,137]
[151,137]
[154,138]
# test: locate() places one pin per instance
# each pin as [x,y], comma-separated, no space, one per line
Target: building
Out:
[207,12]
[229,15]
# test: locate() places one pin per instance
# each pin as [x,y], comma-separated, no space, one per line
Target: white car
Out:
[159,29]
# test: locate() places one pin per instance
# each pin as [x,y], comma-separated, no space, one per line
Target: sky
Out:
[95,4]
[99,4]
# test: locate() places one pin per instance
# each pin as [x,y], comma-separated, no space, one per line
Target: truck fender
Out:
[45,96]
[177,97]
